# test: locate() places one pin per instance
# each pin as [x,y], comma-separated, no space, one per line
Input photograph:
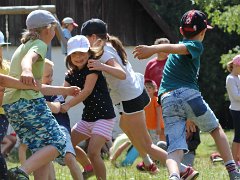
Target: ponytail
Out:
[117,44]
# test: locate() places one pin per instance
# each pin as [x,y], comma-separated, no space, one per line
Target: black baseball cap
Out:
[193,22]
[94,26]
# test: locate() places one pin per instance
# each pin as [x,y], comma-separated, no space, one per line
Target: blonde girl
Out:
[26,110]
[233,89]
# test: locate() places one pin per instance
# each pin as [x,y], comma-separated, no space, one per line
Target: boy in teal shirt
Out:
[180,97]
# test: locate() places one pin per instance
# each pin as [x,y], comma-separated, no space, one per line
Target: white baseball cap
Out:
[68,20]
[2,42]
[78,43]
[39,18]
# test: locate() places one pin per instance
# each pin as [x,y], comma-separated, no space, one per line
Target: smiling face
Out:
[79,59]
[47,74]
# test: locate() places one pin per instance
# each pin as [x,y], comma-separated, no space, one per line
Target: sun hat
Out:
[194,21]
[39,18]
[94,26]
[236,60]
[78,43]
[2,42]
[68,20]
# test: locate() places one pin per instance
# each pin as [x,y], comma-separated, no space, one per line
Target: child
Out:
[121,143]
[127,92]
[68,25]
[54,103]
[233,89]
[154,68]
[26,110]
[98,114]
[180,96]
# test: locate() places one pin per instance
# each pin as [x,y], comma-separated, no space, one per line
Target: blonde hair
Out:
[48,62]
[33,34]
[162,41]
[230,66]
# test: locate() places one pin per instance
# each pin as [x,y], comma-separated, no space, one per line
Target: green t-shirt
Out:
[37,46]
[182,70]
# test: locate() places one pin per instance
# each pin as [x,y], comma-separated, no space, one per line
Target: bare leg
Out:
[72,164]
[94,153]
[236,151]
[42,172]
[22,153]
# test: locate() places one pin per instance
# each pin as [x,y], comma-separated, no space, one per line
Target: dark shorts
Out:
[236,125]
[134,105]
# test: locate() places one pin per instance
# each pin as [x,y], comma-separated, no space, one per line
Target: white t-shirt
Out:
[233,89]
[122,90]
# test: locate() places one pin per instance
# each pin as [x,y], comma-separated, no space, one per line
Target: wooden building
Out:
[133,21]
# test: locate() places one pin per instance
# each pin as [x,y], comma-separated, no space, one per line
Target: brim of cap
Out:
[1,44]
[75,24]
[78,50]
[209,27]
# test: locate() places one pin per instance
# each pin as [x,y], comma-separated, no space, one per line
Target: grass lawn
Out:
[207,170]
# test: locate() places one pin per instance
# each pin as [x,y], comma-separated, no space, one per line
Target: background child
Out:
[98,114]
[26,110]
[180,96]
[68,25]
[233,89]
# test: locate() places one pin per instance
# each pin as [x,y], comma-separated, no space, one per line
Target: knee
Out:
[93,154]
[69,159]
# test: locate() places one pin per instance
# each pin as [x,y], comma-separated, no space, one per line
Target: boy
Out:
[54,103]
[180,97]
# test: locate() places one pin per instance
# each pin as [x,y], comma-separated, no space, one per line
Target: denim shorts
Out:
[178,106]
[69,146]
[35,125]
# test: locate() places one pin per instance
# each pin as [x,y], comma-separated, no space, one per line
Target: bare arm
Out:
[28,60]
[54,106]
[59,90]
[111,67]
[143,51]
[89,85]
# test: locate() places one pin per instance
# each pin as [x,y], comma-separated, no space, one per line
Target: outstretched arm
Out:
[60,90]
[143,51]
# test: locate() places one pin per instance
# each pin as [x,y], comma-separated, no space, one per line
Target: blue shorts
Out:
[178,106]
[69,146]
[35,125]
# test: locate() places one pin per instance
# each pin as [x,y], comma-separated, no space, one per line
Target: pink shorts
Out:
[102,127]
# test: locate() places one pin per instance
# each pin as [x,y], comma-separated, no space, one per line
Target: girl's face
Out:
[236,69]
[79,59]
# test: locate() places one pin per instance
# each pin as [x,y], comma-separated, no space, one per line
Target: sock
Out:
[182,168]
[230,166]
[22,171]
[174,175]
[147,160]
[88,168]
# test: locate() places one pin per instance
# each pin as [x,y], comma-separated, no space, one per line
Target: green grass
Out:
[207,170]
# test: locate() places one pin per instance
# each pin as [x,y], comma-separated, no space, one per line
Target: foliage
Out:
[225,58]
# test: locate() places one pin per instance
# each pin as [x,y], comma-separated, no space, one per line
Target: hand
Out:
[95,65]
[142,52]
[73,91]
[28,78]
[190,126]
[64,108]
[38,86]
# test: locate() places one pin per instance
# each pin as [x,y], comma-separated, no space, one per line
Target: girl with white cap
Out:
[98,115]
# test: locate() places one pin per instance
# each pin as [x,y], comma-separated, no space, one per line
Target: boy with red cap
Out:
[180,97]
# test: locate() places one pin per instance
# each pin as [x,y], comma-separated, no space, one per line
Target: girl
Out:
[26,110]
[233,89]
[98,114]
[127,92]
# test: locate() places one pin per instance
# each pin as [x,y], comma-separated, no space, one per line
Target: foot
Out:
[17,174]
[235,175]
[152,169]
[87,174]
[189,174]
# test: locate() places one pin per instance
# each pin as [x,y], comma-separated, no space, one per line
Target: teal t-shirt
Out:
[37,46]
[182,70]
